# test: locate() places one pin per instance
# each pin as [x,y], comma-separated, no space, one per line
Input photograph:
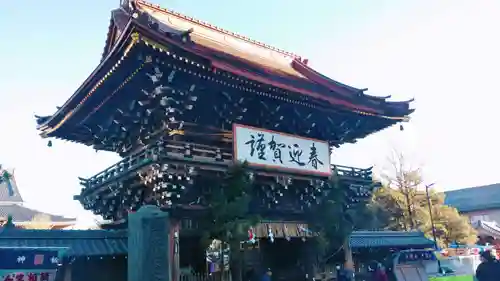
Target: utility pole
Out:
[429,205]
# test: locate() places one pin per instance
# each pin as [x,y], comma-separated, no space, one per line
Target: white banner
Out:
[264,148]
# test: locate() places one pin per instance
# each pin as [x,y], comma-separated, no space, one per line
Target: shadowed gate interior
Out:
[192,255]
[286,258]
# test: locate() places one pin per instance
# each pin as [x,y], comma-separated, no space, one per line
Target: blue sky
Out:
[443,53]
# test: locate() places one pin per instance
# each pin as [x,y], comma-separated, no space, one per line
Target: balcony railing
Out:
[191,154]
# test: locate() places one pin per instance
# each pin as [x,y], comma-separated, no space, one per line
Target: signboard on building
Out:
[28,275]
[270,149]
[29,264]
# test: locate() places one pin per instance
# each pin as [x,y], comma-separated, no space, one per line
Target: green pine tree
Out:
[228,217]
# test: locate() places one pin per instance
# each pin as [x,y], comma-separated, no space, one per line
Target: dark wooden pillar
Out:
[148,245]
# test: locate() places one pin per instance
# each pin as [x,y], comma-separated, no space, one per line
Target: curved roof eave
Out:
[341,88]
[117,47]
[323,80]
[109,37]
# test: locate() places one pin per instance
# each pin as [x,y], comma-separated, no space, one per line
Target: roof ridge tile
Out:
[222,30]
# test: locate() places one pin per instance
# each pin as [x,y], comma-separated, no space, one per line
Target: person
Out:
[489,269]
[379,274]
[250,274]
[340,273]
[267,275]
[343,274]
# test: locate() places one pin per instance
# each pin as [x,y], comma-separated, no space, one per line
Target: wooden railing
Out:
[352,172]
[188,153]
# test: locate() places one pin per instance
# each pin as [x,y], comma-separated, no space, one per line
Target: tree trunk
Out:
[235,261]
[349,263]
[410,211]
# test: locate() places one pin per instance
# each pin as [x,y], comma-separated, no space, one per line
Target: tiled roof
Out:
[368,239]
[474,198]
[11,204]
[20,213]
[222,40]
[489,227]
[257,61]
[78,242]
[241,55]
[221,51]
[4,191]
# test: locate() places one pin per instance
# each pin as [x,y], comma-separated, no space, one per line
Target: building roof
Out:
[21,214]
[78,242]
[369,239]
[212,40]
[221,50]
[489,228]
[239,54]
[5,194]
[11,203]
[474,198]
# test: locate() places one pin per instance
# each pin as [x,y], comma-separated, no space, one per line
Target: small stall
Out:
[463,259]
[414,265]
[468,250]
[57,255]
[423,265]
[372,247]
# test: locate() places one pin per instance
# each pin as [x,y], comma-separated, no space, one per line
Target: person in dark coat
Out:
[344,274]
[267,275]
[340,273]
[489,269]
[379,274]
[250,274]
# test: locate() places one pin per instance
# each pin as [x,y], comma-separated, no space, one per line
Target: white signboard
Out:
[264,148]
